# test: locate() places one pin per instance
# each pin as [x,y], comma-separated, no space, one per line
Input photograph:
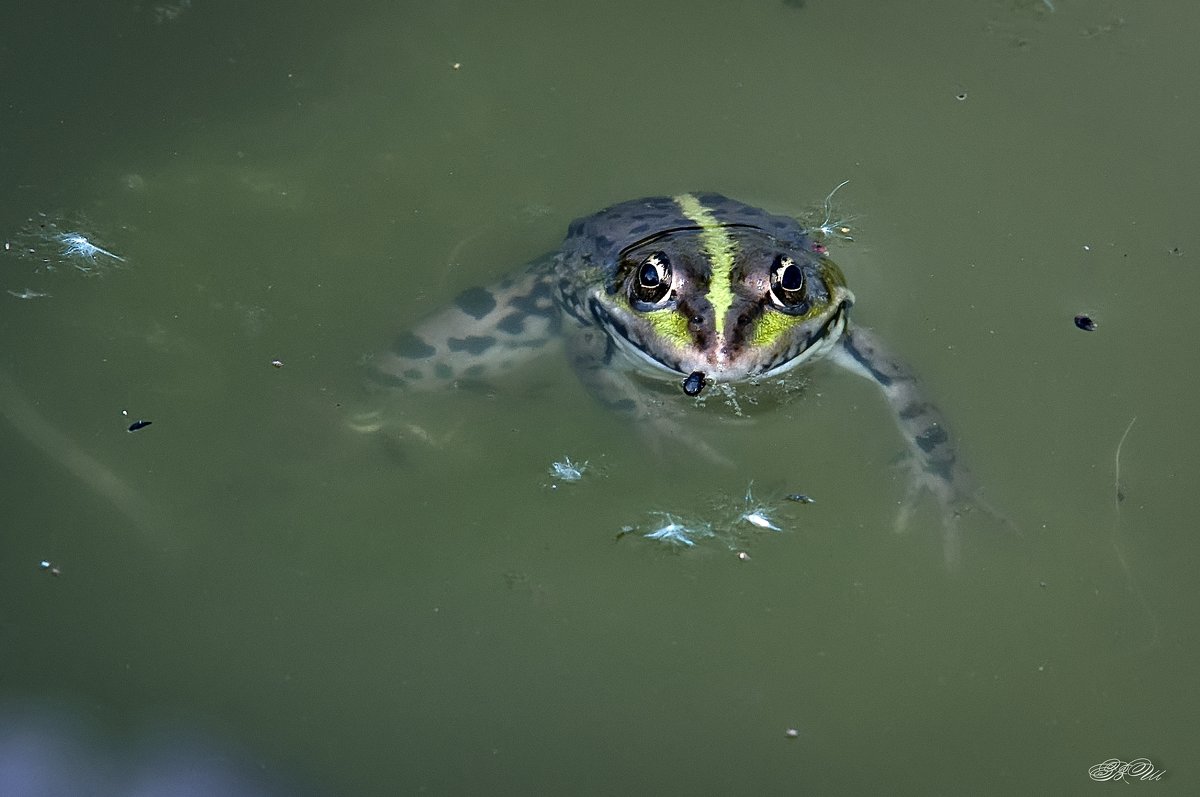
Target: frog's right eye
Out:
[650,286]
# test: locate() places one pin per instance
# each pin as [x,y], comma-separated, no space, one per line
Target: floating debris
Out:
[757,514]
[49,567]
[1085,323]
[54,241]
[792,733]
[727,520]
[672,532]
[28,294]
[276,363]
[757,518]
[568,471]
[139,424]
[801,498]
[76,245]
[676,532]
[829,227]
[169,12]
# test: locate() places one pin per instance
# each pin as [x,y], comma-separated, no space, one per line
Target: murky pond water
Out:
[248,596]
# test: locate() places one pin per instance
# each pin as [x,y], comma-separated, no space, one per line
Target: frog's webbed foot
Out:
[932,454]
[958,501]
[950,506]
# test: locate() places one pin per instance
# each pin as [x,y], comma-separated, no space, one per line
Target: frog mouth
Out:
[818,342]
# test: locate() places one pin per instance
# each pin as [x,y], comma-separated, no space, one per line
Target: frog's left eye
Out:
[787,285]
[651,283]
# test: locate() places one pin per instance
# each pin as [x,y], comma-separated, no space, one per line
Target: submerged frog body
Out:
[695,290]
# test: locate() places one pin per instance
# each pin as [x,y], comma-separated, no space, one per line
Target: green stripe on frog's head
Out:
[721,250]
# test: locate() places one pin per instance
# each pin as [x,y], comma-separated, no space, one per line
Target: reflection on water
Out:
[53,751]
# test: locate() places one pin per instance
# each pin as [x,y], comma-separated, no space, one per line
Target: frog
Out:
[660,299]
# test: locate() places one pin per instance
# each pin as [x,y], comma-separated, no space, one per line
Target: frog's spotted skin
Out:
[485,333]
[683,288]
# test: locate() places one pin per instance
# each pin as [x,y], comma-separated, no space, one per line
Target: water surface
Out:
[320,611]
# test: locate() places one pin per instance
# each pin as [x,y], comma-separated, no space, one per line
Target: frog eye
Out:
[651,283]
[787,285]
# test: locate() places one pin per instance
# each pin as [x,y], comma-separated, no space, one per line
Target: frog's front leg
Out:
[932,453]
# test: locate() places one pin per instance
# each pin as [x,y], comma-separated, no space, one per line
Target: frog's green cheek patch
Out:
[772,327]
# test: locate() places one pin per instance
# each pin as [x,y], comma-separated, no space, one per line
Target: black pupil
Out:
[649,276]
[791,279]
[653,283]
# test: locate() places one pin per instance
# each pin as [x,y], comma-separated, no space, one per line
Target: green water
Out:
[330,613]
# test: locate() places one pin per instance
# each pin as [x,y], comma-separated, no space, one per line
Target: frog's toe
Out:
[957,499]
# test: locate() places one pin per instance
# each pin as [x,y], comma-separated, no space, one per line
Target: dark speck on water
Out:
[1085,323]
[133,427]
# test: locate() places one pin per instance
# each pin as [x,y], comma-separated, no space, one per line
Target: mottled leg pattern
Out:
[486,332]
[932,454]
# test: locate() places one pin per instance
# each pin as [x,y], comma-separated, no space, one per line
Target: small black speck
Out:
[694,383]
[801,498]
[133,427]
[1085,323]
